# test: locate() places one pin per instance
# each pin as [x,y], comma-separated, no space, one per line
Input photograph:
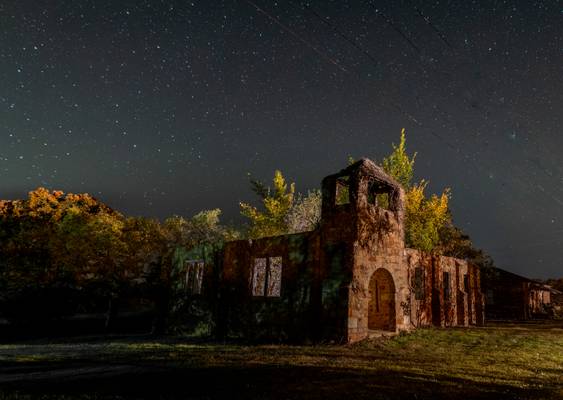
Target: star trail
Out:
[162,108]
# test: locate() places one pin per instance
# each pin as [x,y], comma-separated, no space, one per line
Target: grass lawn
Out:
[502,361]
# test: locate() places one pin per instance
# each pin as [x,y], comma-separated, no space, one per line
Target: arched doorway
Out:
[381,311]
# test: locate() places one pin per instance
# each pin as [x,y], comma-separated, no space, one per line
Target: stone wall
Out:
[458,304]
[421,291]
[378,249]
[507,295]
[254,308]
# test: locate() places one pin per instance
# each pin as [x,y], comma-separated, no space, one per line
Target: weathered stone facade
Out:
[349,279]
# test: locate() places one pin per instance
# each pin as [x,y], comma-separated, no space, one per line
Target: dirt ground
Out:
[501,361]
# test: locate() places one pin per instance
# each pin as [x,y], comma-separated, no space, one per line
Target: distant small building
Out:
[350,279]
[557,302]
[509,296]
[556,297]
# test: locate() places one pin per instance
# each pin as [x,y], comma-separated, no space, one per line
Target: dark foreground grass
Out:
[503,361]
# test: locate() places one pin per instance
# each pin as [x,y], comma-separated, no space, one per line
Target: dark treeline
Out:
[68,254]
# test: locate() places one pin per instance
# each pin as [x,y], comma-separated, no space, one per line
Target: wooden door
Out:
[381,310]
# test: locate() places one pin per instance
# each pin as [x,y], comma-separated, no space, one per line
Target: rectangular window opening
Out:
[189,276]
[418,283]
[447,286]
[194,276]
[274,277]
[259,276]
[198,277]
[379,195]
[466,283]
[342,190]
[266,277]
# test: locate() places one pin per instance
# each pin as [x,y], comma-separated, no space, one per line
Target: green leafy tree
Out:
[305,213]
[52,245]
[456,243]
[57,249]
[204,228]
[428,220]
[425,218]
[276,203]
[398,164]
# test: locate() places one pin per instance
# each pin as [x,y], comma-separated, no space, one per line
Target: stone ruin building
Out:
[509,296]
[350,279]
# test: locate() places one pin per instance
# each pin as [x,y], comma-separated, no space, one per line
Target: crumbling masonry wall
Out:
[460,305]
[511,296]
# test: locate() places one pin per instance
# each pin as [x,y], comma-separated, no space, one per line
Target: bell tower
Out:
[362,240]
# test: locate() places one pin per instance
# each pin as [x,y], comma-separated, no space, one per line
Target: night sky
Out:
[161,108]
